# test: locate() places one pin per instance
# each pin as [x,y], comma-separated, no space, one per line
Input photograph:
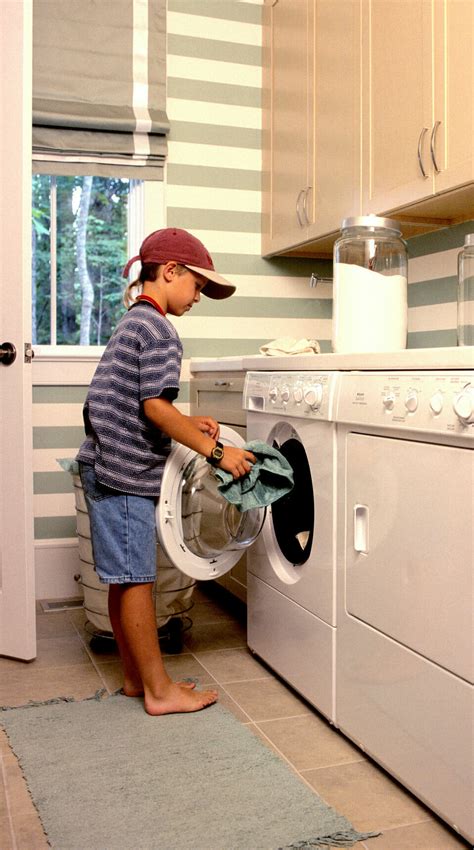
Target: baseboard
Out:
[56,564]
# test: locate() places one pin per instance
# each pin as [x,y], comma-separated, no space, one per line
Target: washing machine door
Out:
[200,531]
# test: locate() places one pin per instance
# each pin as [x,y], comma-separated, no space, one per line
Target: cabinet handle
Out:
[305,201]
[420,145]
[298,201]
[432,146]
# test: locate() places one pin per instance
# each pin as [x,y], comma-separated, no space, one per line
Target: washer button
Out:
[411,401]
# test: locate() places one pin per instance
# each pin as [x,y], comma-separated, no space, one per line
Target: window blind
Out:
[99,87]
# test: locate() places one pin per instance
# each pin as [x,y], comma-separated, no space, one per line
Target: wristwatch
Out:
[216,455]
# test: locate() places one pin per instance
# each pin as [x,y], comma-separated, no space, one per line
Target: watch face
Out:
[218,453]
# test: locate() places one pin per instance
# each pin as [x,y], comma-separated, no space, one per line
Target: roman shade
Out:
[99,87]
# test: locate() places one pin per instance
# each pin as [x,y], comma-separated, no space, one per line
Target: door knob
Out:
[7,353]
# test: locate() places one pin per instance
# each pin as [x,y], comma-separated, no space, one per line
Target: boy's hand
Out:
[207,425]
[237,461]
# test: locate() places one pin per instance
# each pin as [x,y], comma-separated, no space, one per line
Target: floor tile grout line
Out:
[290,763]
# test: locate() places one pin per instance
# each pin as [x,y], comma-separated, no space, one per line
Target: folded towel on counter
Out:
[290,345]
[270,478]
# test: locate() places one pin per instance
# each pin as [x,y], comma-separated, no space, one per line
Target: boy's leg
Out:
[139,636]
[132,684]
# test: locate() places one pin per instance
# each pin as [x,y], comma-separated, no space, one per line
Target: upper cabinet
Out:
[416,100]
[368,108]
[311,119]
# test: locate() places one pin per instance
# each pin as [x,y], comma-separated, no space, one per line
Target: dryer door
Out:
[200,531]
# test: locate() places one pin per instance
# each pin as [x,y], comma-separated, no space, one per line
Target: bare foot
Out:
[177,699]
[131,690]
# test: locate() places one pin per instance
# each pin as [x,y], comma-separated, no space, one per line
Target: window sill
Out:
[68,353]
[65,365]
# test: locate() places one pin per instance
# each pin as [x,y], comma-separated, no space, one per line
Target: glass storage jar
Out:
[370,286]
[466,292]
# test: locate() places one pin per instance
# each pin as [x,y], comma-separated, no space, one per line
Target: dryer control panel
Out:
[430,402]
[307,395]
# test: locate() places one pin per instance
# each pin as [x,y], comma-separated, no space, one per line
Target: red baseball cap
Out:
[171,243]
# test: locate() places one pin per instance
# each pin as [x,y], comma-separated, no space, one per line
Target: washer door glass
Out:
[211,525]
[293,514]
[201,533]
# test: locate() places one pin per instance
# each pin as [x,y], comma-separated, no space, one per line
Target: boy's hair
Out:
[149,271]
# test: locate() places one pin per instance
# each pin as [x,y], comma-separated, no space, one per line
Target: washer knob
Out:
[313,396]
[388,401]
[298,394]
[436,402]
[285,394]
[411,401]
[463,405]
[273,393]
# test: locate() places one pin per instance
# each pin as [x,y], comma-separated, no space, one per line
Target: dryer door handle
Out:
[361,529]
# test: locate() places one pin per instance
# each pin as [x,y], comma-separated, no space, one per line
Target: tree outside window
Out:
[80,246]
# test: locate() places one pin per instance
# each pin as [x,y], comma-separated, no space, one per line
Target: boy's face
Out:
[183,291]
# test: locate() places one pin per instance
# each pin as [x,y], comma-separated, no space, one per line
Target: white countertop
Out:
[217,364]
[409,358]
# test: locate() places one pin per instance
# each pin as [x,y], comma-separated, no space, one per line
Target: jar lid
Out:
[372,221]
[469,240]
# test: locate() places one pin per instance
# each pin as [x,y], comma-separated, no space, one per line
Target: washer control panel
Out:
[439,402]
[308,395]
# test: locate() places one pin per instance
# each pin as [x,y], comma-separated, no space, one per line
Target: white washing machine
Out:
[291,567]
[405,641]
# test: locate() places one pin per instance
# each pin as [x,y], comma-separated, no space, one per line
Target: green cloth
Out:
[270,478]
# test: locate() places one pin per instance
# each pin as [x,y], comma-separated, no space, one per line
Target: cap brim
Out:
[217,286]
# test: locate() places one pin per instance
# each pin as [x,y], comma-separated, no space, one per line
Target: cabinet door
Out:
[454,92]
[397,102]
[335,153]
[286,94]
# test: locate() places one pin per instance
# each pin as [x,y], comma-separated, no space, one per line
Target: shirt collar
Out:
[151,301]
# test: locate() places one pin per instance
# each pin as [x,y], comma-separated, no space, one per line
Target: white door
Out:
[409,545]
[17,594]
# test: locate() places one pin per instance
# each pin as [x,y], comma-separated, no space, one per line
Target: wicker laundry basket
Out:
[172,589]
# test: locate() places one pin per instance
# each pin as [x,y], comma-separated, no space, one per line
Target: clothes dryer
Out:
[291,566]
[405,640]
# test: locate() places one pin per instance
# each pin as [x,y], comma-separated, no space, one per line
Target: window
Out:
[84,229]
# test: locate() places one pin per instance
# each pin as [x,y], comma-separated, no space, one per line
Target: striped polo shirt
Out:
[142,360]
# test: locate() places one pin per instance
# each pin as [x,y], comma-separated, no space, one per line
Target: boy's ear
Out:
[169,270]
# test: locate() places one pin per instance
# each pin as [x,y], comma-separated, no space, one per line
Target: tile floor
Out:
[215,652]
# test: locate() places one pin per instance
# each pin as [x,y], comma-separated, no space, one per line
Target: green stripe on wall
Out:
[59,395]
[291,308]
[432,339]
[52,482]
[208,48]
[440,240]
[428,292]
[209,92]
[227,10]
[231,347]
[215,134]
[50,527]
[252,264]
[215,178]
[224,220]
[57,437]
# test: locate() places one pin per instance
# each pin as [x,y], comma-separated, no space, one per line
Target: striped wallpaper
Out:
[213,189]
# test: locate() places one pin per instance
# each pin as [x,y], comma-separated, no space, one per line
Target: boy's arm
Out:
[185,430]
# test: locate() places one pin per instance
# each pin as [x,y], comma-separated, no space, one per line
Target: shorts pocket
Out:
[93,489]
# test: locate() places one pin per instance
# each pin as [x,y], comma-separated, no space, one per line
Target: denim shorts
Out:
[123,532]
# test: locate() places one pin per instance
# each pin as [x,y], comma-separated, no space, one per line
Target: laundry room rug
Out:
[104,775]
